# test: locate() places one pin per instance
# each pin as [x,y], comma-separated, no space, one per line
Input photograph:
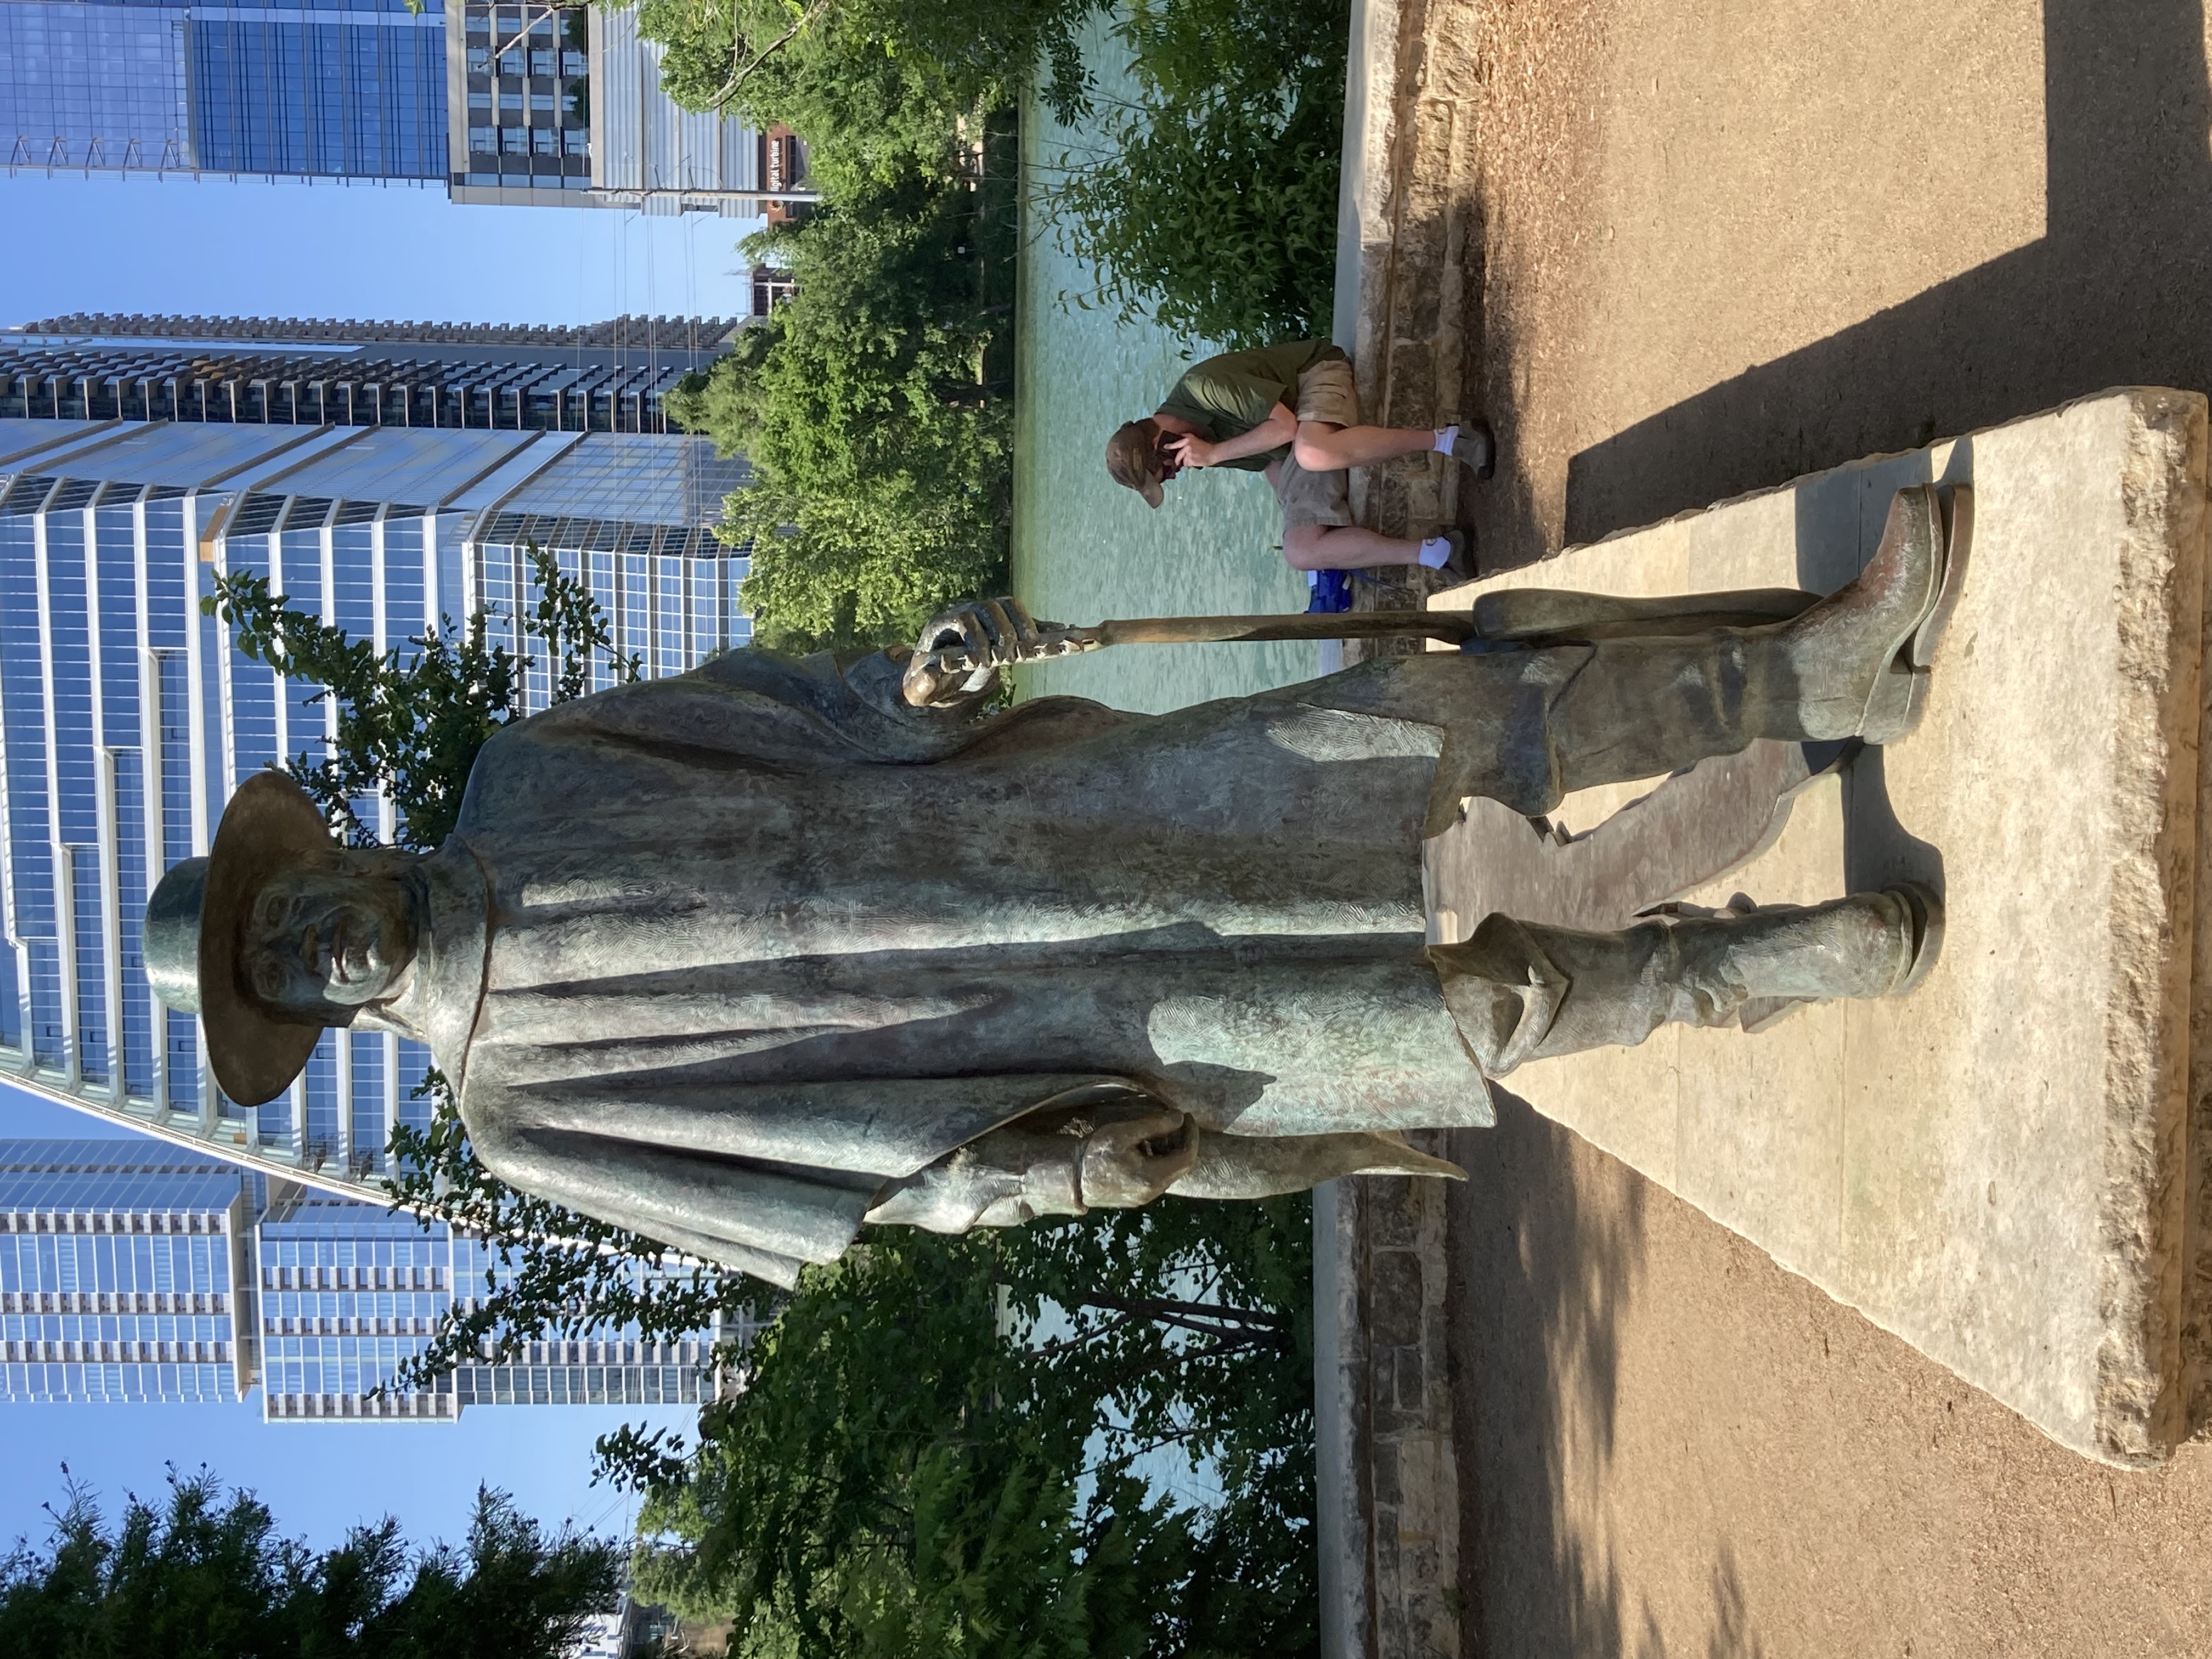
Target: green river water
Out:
[1084,549]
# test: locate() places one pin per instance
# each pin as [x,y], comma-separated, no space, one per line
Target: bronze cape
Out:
[715,957]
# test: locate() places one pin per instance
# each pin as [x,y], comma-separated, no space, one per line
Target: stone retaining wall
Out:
[1406,297]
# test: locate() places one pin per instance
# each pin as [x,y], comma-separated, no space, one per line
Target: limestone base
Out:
[2006,1168]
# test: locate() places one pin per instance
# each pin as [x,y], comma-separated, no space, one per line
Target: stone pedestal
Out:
[2007,1169]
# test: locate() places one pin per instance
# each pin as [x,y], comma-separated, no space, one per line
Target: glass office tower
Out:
[125,1274]
[126,719]
[509,105]
[601,377]
[348,1293]
[352,90]
[542,103]
[131,1271]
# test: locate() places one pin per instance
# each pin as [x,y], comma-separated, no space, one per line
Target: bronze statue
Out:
[745,958]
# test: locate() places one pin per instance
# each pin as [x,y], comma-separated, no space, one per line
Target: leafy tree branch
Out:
[408,722]
[739,75]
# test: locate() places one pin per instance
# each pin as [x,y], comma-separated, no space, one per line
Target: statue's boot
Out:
[1860,657]
[1519,991]
[1527,726]
[1852,665]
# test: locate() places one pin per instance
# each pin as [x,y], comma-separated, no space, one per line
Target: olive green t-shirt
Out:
[1226,397]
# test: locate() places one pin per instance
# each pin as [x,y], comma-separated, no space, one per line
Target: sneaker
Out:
[1459,567]
[1476,445]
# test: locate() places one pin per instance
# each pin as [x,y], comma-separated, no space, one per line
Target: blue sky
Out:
[325,251]
[362,250]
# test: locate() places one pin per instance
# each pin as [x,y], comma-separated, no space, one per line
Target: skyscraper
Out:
[348,1293]
[504,104]
[126,718]
[288,89]
[136,1272]
[542,102]
[125,1274]
[600,377]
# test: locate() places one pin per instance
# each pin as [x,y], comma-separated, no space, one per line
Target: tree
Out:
[210,1578]
[1209,203]
[879,438]
[411,719]
[943,1444]
[1206,203]
[874,365]
[881,89]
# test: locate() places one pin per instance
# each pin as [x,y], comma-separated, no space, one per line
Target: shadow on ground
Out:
[1549,1235]
[2116,293]
[1540,1284]
[1547,1256]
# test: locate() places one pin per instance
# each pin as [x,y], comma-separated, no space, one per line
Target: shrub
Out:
[879,436]
[1211,205]
[880,88]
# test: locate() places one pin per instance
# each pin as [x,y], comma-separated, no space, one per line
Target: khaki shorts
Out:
[1326,392]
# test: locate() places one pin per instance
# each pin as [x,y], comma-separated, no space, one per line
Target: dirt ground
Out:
[1725,243]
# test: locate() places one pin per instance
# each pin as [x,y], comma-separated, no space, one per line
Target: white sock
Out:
[1434,552]
[1446,437]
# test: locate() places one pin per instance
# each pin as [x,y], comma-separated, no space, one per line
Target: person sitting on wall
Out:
[1292,411]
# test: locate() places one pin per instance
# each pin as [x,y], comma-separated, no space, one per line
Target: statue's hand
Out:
[1134,1161]
[985,636]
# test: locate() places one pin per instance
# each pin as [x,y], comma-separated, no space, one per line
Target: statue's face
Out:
[321,943]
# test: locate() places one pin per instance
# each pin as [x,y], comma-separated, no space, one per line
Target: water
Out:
[1084,549]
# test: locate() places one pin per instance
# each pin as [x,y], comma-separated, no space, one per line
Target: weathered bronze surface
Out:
[747,957]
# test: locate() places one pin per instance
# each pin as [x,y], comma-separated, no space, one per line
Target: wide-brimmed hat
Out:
[1132,457]
[195,926]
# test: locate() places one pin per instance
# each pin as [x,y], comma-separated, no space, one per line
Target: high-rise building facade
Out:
[125,1274]
[286,87]
[601,377]
[348,1293]
[550,105]
[131,1271]
[126,717]
[518,88]
[513,105]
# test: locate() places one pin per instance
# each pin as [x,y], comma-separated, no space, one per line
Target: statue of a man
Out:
[746,958]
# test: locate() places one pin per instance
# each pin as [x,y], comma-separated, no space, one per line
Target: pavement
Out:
[1678,250]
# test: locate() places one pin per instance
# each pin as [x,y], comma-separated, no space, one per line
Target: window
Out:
[479,100]
[483,140]
[542,61]
[545,141]
[578,140]
[572,64]
[542,102]
[515,141]
[480,60]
